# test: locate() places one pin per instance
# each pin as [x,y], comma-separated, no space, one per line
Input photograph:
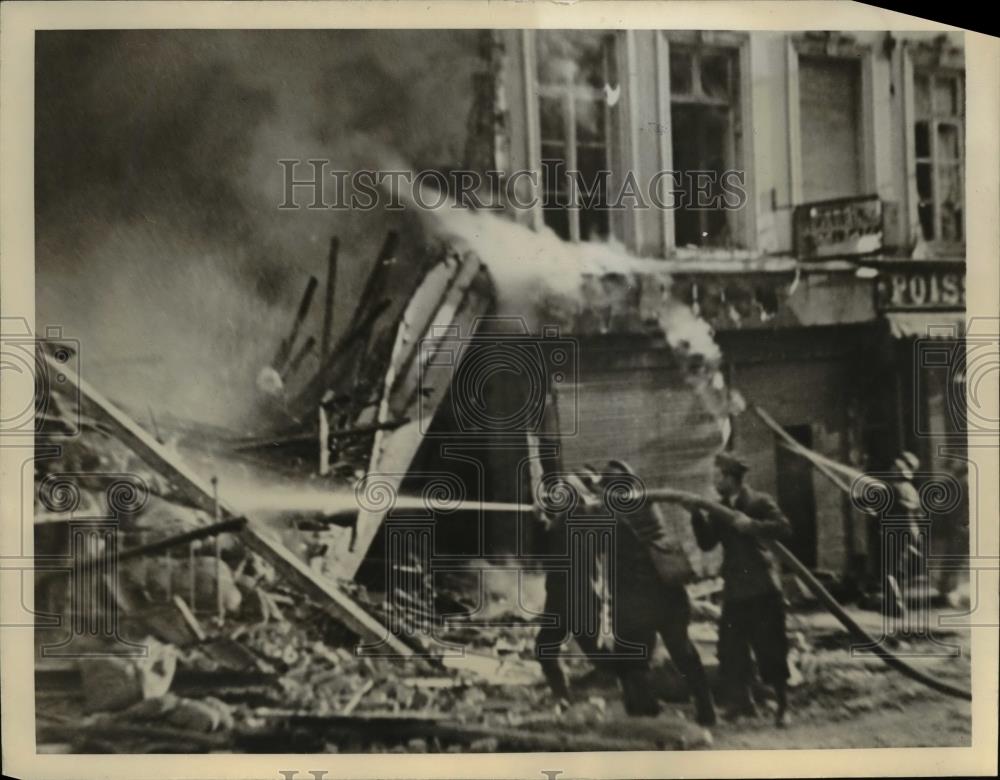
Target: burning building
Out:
[812,275]
[445,370]
[840,265]
[814,264]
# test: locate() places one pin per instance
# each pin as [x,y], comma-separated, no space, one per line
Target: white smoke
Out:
[549,281]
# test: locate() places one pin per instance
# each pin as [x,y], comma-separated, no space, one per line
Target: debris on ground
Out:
[114,683]
[236,657]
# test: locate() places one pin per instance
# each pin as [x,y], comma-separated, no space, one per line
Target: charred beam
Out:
[196,534]
[310,438]
[302,354]
[331,288]
[376,278]
[285,349]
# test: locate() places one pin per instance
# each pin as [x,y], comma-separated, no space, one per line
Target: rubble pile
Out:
[235,657]
[247,682]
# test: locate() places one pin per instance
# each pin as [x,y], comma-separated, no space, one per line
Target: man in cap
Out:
[905,506]
[753,608]
[954,526]
[907,499]
[649,598]
[646,592]
[571,598]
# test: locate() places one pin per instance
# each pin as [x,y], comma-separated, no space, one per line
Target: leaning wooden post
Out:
[326,337]
[285,349]
[219,604]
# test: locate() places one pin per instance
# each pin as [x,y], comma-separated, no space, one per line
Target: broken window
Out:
[938,135]
[704,116]
[578,92]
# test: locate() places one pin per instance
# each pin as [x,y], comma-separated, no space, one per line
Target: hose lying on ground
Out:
[669,495]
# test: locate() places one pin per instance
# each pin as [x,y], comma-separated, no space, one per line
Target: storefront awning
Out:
[927,324]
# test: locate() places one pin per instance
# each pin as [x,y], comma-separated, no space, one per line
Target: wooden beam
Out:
[285,349]
[330,597]
[302,354]
[375,283]
[199,492]
[189,619]
[331,288]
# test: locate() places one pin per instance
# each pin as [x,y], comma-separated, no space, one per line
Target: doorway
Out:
[795,495]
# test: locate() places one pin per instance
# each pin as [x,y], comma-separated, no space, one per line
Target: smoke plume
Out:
[159,242]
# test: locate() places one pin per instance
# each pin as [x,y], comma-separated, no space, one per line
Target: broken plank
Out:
[285,349]
[468,297]
[555,737]
[375,283]
[114,732]
[231,524]
[331,289]
[357,697]
[302,354]
[330,597]
[189,618]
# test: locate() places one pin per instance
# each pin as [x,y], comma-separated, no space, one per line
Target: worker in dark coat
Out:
[649,598]
[902,561]
[646,598]
[753,607]
[572,602]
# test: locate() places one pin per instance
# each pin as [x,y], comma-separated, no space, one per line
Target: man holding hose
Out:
[753,608]
[646,592]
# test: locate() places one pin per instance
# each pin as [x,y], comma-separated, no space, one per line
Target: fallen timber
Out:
[684,498]
[288,344]
[308,438]
[230,525]
[200,494]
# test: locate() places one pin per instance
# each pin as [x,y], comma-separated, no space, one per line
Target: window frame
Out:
[614,131]
[737,44]
[833,46]
[920,58]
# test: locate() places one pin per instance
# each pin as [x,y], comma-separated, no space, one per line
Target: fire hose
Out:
[669,495]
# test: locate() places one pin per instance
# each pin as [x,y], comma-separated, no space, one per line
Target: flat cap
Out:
[731,464]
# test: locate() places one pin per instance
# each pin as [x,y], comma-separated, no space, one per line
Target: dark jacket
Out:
[653,548]
[906,504]
[748,566]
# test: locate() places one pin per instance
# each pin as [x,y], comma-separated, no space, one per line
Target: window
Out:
[939,110]
[578,93]
[830,113]
[704,101]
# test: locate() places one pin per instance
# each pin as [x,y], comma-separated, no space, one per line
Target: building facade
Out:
[806,191]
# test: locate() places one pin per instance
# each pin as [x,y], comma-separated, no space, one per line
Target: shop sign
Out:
[917,286]
[846,227]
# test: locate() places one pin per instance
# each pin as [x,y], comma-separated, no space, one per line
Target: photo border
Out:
[17,26]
